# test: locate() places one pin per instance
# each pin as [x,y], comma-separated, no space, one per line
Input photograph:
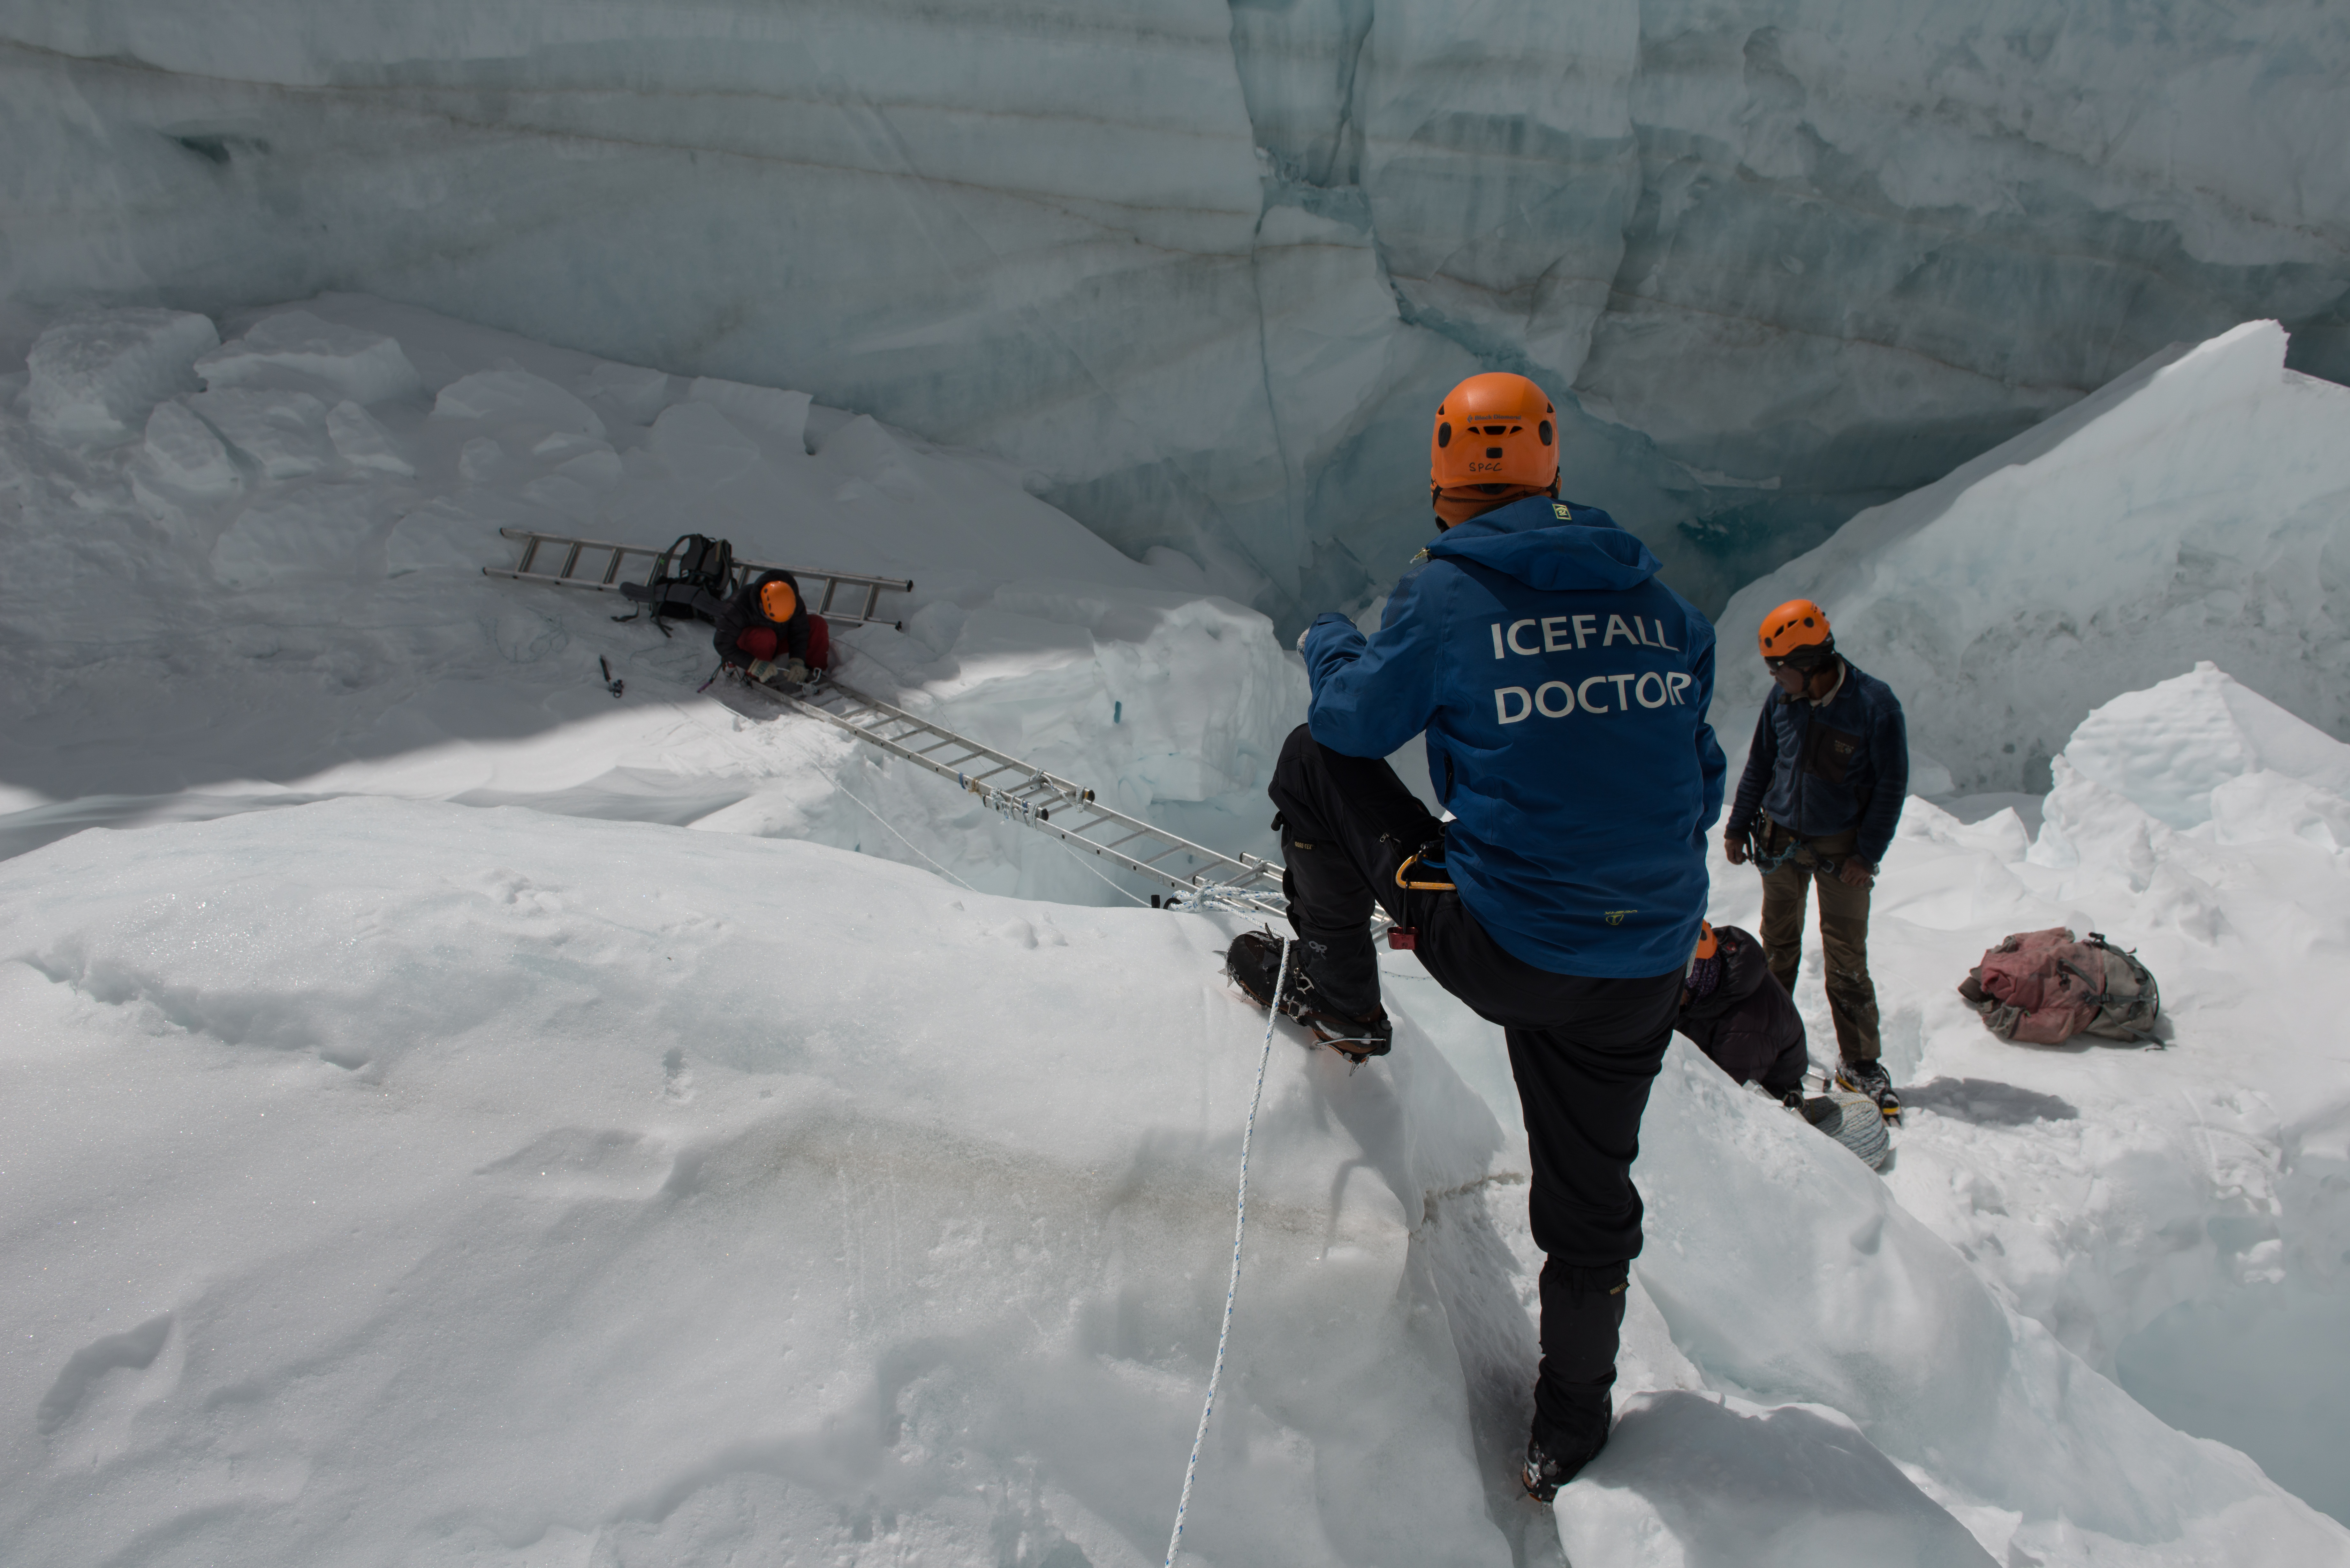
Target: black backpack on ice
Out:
[697,582]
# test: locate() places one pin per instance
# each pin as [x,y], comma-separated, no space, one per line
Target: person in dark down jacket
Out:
[1739,1014]
[1563,692]
[1826,778]
[768,631]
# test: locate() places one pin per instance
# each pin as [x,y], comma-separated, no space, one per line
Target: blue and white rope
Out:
[1240,1228]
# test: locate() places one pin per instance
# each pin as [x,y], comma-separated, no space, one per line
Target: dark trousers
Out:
[1584,1049]
[1843,931]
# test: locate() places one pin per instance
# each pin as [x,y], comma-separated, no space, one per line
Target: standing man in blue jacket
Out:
[1563,690]
[1825,780]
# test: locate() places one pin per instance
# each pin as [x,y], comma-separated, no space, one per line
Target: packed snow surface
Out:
[422,1148]
[1199,270]
[303,540]
[2197,507]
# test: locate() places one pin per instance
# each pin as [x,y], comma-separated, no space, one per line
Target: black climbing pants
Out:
[1584,1049]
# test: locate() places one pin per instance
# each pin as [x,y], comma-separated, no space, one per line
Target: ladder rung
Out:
[1253,882]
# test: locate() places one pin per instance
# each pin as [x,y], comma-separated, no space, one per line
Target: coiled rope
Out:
[1240,1228]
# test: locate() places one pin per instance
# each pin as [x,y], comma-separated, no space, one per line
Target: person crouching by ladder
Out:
[1825,780]
[1563,690]
[769,631]
[1736,1012]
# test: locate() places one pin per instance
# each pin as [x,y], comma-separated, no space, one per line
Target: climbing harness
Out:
[1422,853]
[1405,938]
[1231,1289]
[1766,863]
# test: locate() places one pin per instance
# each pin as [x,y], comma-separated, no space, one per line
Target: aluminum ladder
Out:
[848,599]
[1203,878]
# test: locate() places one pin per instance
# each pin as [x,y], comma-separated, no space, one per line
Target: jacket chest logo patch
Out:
[1830,754]
[1616,917]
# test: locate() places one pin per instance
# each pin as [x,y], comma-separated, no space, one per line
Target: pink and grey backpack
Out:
[2041,988]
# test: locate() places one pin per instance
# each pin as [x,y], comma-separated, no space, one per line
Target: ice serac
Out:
[296,346]
[1847,1301]
[2173,748]
[2176,1216]
[96,377]
[1198,270]
[2190,509]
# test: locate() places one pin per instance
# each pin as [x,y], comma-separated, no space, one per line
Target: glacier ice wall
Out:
[1199,268]
[2192,509]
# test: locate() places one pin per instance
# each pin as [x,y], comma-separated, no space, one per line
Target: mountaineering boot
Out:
[1253,961]
[1545,1471]
[1868,1079]
[1582,1327]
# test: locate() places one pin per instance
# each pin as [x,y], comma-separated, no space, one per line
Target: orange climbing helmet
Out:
[1798,631]
[1494,430]
[1708,944]
[777,601]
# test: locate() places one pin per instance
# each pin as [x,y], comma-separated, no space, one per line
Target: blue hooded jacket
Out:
[1818,768]
[1563,691]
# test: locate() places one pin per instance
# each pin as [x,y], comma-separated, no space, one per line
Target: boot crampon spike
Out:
[1253,961]
[1868,1080]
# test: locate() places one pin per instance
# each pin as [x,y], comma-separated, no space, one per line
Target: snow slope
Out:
[513,1169]
[2176,1217]
[403,1181]
[2191,509]
[1199,270]
[270,589]
[409,1163]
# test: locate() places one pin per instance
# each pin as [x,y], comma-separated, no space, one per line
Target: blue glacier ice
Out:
[1198,269]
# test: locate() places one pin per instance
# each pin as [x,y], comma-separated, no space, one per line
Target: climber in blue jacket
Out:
[1563,690]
